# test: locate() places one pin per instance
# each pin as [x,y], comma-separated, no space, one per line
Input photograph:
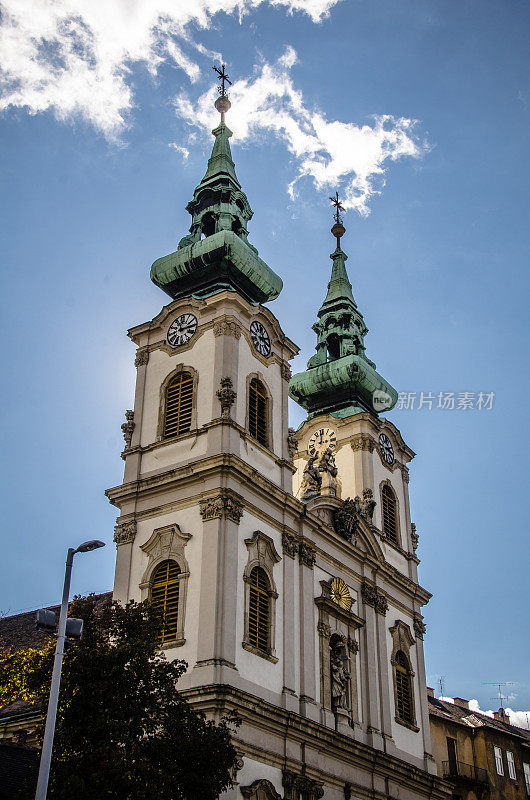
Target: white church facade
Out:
[284,562]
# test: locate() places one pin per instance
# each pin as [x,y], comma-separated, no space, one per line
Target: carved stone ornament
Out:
[319,474]
[353,645]
[225,328]
[420,628]
[289,544]
[362,441]
[415,537]
[381,604]
[128,428]
[142,357]
[286,371]
[292,443]
[372,597]
[299,785]
[261,789]
[324,629]
[125,532]
[306,554]
[346,518]
[221,506]
[226,396]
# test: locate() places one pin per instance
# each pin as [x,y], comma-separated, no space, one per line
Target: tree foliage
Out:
[123,729]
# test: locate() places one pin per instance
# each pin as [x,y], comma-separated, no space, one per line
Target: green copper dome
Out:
[216,255]
[340,379]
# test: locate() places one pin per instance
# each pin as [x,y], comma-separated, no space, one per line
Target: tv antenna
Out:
[441,685]
[500,697]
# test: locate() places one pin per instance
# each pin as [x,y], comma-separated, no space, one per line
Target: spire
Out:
[340,378]
[220,212]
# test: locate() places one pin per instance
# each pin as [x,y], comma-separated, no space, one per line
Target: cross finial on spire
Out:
[338,228]
[338,208]
[223,77]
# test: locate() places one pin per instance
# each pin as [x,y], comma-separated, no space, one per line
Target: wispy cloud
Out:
[73,57]
[329,152]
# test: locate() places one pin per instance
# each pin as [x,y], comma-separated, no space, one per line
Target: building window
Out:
[164,596]
[259,610]
[258,410]
[498,761]
[526,770]
[178,405]
[511,765]
[260,596]
[390,515]
[403,689]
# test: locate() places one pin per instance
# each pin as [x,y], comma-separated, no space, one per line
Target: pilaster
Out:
[290,554]
[306,558]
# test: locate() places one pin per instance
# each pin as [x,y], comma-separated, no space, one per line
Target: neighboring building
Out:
[301,609]
[19,720]
[479,756]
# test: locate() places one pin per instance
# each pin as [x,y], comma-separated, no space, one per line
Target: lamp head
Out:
[86,547]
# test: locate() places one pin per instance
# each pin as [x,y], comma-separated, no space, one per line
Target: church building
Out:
[284,562]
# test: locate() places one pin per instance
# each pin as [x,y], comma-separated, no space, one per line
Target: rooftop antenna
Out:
[500,696]
[441,684]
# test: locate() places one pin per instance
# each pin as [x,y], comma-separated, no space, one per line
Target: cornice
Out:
[209,304]
[229,465]
[328,743]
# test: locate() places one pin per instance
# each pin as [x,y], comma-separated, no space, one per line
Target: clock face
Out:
[181,330]
[321,440]
[260,338]
[387,451]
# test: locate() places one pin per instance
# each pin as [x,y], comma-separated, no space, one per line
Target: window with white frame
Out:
[511,765]
[498,761]
[526,768]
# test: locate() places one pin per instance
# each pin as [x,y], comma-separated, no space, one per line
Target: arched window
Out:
[404,708]
[259,610]
[178,405]
[390,516]
[164,596]
[258,409]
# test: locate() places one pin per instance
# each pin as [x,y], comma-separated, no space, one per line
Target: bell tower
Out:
[282,563]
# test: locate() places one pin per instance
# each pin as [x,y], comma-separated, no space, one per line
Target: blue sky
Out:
[418,113]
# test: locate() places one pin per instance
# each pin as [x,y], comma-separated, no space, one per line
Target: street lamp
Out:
[49,730]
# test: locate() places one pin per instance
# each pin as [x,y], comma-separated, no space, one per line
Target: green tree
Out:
[123,729]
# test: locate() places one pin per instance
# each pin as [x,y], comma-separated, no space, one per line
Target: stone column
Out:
[363,469]
[133,459]
[370,671]
[124,536]
[218,599]
[290,551]
[384,662]
[308,707]
[421,695]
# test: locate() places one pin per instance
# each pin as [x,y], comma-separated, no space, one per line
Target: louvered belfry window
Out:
[179,405]
[259,610]
[403,689]
[165,597]
[258,411]
[390,522]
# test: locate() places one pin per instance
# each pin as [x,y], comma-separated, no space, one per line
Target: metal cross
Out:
[338,207]
[223,77]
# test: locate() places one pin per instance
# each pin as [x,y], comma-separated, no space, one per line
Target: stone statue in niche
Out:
[319,476]
[339,675]
[311,479]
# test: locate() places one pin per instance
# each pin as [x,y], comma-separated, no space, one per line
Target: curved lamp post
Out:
[49,730]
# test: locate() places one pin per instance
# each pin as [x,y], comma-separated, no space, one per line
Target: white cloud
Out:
[330,152]
[73,57]
[184,152]
[519,718]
